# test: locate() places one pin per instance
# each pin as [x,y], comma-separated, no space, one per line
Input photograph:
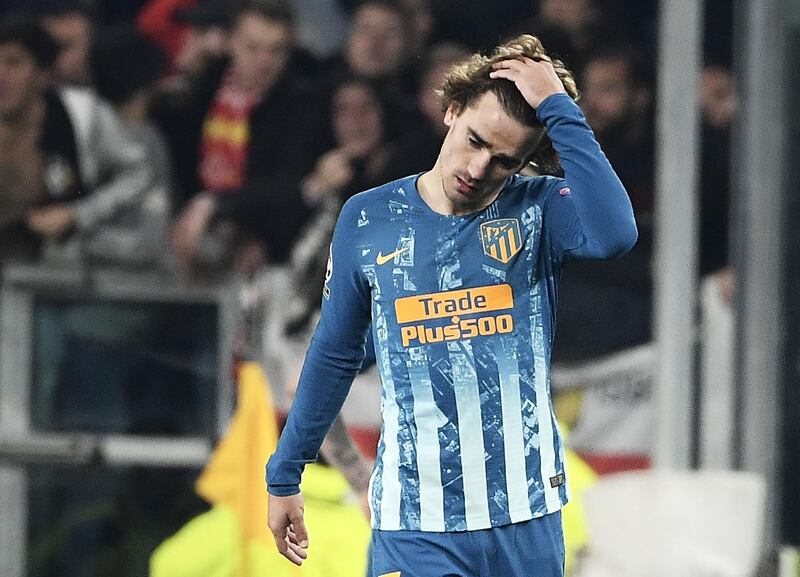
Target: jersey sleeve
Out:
[588,214]
[333,359]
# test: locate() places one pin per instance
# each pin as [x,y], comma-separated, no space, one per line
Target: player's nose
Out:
[478,166]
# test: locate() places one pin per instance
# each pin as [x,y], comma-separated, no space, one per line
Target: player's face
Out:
[483,147]
[21,80]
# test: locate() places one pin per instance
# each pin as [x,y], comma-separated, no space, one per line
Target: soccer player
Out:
[455,271]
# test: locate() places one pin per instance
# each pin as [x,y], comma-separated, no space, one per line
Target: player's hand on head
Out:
[535,79]
[286,523]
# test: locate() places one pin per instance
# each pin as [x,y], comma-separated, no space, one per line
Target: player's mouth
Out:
[463,187]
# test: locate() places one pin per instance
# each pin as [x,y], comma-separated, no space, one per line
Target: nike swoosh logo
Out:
[381,259]
[395,574]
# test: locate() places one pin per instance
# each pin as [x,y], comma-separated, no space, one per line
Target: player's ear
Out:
[452,112]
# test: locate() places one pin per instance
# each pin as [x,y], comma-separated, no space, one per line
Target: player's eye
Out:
[474,143]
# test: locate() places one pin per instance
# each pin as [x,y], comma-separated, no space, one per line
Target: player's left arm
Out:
[593,216]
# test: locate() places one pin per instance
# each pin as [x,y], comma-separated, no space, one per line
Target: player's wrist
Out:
[283,490]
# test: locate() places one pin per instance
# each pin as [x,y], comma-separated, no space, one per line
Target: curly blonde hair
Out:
[469,80]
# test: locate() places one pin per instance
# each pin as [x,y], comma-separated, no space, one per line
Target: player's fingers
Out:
[299,528]
[279,536]
[296,549]
[290,552]
[521,63]
[510,63]
[503,73]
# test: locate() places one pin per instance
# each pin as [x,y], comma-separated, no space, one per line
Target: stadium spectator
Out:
[66,164]
[423,23]
[363,156]
[361,120]
[718,105]
[70,23]
[157,20]
[477,25]
[321,26]
[137,235]
[190,32]
[379,46]
[434,68]
[206,39]
[193,35]
[243,138]
[575,28]
[420,146]
[617,102]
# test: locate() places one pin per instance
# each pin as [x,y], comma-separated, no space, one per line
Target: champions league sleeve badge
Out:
[326,290]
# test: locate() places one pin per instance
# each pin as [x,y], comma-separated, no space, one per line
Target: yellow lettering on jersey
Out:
[457,329]
[458,302]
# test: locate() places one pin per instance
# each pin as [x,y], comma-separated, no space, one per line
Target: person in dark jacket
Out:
[243,138]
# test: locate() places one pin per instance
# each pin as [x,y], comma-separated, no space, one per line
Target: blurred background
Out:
[170,174]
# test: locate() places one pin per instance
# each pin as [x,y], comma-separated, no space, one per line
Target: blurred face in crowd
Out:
[73,34]
[201,46]
[260,49]
[22,81]
[422,20]
[569,14]
[377,44]
[717,97]
[428,101]
[357,119]
[607,94]
[483,147]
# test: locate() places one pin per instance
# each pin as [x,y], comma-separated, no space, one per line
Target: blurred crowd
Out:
[205,137]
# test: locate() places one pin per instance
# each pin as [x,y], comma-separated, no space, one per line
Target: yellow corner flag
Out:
[232,539]
[234,475]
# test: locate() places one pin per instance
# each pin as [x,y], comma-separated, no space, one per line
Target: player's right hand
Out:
[535,79]
[285,519]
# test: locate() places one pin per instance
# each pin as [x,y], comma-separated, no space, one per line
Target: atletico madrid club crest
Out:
[501,238]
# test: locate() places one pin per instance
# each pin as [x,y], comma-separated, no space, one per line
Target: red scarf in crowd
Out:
[226,138]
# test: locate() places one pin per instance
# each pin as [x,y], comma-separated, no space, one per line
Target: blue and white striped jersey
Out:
[462,311]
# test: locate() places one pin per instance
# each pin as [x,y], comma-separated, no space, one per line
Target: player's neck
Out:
[431,191]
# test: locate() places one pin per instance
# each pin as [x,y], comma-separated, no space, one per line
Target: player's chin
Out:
[458,200]
[463,199]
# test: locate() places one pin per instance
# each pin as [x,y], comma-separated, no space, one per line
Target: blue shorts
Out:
[533,548]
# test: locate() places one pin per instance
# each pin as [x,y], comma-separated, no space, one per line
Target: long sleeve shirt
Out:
[462,311]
